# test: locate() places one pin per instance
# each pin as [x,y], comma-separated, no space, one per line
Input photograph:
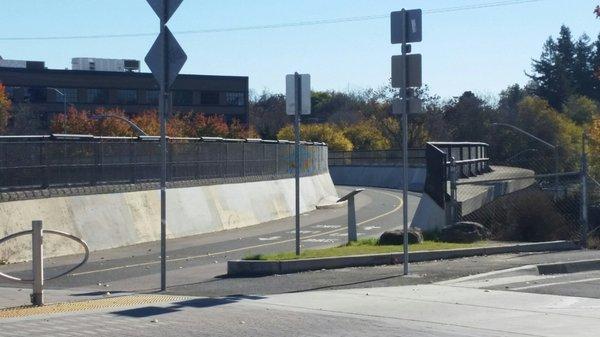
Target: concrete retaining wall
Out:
[107,221]
[378,176]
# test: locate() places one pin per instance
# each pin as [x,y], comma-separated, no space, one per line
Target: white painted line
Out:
[326,226]
[273,238]
[189,258]
[485,275]
[305,232]
[370,228]
[556,284]
[321,240]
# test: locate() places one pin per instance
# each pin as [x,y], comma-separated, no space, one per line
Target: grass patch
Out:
[362,247]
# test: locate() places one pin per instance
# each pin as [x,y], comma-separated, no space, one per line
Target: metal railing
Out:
[40,162]
[468,159]
[37,281]
[416,157]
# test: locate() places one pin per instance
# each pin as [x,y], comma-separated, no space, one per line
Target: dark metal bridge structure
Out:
[63,161]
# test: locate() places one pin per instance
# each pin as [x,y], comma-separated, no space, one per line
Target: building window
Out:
[209,98]
[72,95]
[127,96]
[36,95]
[235,98]
[152,97]
[11,92]
[183,97]
[97,96]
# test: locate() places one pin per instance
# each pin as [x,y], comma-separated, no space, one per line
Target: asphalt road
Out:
[202,259]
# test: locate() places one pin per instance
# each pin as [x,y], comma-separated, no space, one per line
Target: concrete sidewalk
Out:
[425,310]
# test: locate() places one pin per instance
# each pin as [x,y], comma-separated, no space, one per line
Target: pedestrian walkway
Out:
[424,310]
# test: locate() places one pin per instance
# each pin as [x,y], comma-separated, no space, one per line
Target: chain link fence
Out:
[533,193]
[594,192]
[66,161]
[416,157]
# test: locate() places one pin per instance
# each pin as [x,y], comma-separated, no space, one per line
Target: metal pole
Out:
[403,99]
[584,193]
[556,179]
[352,234]
[453,192]
[37,244]
[297,156]
[163,145]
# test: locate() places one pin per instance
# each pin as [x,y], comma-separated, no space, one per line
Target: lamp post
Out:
[134,126]
[64,97]
[553,147]
[64,101]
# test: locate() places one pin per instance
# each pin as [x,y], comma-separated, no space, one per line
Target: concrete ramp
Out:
[120,219]
[473,194]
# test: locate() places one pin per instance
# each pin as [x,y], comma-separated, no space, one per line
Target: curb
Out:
[568,267]
[239,268]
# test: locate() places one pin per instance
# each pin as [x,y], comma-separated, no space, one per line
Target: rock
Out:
[397,237]
[464,232]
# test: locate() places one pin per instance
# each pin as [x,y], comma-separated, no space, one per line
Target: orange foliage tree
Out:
[73,122]
[180,125]
[5,106]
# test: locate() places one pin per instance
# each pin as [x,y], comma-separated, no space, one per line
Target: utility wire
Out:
[276,26]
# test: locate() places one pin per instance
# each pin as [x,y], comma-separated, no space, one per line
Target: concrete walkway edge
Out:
[239,268]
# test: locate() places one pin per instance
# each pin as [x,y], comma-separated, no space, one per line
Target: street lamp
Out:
[553,147]
[64,97]
[64,101]
[134,126]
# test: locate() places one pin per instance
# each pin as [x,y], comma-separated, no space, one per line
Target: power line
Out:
[278,25]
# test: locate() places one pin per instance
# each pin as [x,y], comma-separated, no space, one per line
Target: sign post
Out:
[298,102]
[406,27]
[165,60]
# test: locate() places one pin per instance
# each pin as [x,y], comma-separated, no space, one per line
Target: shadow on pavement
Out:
[199,303]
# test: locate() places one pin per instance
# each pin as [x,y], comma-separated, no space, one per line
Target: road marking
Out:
[321,240]
[326,226]
[370,228]
[189,258]
[273,238]
[555,284]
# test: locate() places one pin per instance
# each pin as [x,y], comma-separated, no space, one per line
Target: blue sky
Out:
[481,50]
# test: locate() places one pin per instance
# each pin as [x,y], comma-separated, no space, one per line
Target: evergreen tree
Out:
[554,72]
[583,72]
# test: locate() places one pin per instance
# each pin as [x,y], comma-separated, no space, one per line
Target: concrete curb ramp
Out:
[568,267]
[264,268]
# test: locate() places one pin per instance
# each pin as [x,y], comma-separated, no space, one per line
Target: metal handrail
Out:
[48,231]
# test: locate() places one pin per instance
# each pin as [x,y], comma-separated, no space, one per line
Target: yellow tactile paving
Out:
[105,303]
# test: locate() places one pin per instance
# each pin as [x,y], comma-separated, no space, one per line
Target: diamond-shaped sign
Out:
[158,7]
[176,57]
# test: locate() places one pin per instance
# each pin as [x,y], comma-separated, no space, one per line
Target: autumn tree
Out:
[73,122]
[326,133]
[5,108]
[365,136]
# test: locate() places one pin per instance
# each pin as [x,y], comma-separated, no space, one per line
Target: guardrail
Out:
[376,158]
[469,159]
[40,162]
[37,233]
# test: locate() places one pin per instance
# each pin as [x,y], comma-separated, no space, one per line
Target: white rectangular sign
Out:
[291,94]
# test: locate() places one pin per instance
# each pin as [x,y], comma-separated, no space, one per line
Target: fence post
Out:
[453,191]
[132,164]
[197,174]
[584,192]
[37,245]
[277,160]
[244,159]
[44,162]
